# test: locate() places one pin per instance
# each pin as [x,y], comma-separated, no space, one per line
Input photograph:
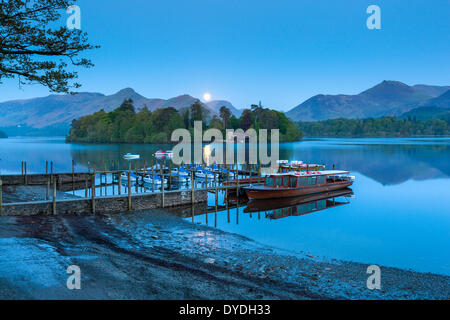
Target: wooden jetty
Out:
[94,187]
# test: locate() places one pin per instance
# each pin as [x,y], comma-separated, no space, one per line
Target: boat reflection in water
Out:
[299,206]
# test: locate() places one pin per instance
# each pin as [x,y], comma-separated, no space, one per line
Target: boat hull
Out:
[274,193]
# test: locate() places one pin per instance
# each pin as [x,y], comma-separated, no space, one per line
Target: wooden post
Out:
[106,180]
[86,188]
[54,197]
[237,188]
[51,170]
[47,195]
[162,186]
[46,167]
[93,191]
[215,191]
[170,175]
[192,188]
[26,178]
[129,191]
[22,167]
[120,182]
[228,183]
[153,178]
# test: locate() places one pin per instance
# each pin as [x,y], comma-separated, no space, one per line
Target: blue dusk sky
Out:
[278,52]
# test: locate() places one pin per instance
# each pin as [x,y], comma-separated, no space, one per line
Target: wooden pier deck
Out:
[90,192]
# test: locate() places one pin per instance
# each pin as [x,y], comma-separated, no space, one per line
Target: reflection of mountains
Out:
[298,206]
[388,164]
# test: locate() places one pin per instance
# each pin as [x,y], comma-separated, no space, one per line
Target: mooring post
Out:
[86,188]
[153,178]
[228,183]
[46,167]
[54,197]
[162,194]
[26,178]
[47,195]
[120,182]
[51,170]
[237,188]
[170,175]
[129,191]
[215,190]
[93,191]
[193,187]
[22,167]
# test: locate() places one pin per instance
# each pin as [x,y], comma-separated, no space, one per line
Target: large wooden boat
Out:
[293,184]
[269,204]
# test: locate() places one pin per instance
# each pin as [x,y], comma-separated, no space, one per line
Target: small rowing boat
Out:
[130,156]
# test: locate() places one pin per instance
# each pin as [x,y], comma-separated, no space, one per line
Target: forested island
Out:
[125,125]
[3,135]
[379,127]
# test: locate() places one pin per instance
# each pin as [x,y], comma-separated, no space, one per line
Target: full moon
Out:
[207,96]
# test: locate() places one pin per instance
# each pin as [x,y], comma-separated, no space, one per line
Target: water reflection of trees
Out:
[386,163]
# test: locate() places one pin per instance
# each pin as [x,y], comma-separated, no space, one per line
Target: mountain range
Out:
[59,110]
[55,113]
[389,98]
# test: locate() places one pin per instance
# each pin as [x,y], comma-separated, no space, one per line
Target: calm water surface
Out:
[399,214]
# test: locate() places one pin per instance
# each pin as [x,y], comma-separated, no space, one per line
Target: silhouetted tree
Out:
[34,51]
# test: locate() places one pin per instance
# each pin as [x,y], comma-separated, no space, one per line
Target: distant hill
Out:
[32,116]
[3,135]
[217,104]
[442,101]
[427,113]
[389,98]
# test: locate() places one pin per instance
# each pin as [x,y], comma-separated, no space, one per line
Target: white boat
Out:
[182,174]
[133,177]
[158,180]
[204,174]
[130,156]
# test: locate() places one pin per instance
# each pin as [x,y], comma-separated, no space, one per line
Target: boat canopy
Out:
[313,173]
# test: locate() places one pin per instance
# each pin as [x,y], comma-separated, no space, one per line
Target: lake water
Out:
[398,216]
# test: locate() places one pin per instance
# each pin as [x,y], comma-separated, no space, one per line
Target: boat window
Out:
[321,180]
[279,182]
[269,181]
[302,181]
[293,182]
[312,180]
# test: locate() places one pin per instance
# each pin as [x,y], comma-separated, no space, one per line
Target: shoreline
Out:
[155,255]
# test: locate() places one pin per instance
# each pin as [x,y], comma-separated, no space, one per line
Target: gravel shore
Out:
[155,255]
